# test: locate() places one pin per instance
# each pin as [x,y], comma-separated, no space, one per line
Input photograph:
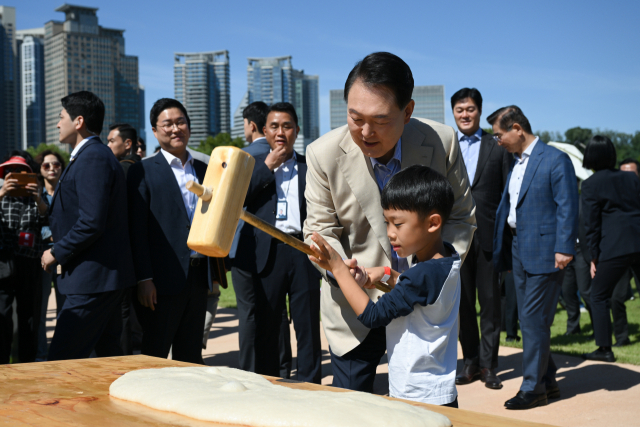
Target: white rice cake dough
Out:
[232,396]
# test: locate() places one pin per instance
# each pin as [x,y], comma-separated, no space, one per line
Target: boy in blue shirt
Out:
[421,312]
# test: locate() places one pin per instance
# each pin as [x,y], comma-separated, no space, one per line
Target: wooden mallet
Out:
[220,206]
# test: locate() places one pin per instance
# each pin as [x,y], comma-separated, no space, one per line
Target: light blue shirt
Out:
[515,183]
[383,174]
[470,149]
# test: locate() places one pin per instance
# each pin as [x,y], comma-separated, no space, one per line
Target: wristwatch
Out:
[52,254]
[387,275]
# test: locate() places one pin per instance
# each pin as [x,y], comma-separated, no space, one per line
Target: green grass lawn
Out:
[574,345]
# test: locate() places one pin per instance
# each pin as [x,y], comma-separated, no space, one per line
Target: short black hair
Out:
[419,189]
[87,105]
[165,103]
[383,69]
[599,154]
[284,107]
[127,131]
[256,112]
[465,93]
[142,145]
[630,160]
[506,117]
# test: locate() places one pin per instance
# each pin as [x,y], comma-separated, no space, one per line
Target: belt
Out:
[298,236]
[514,232]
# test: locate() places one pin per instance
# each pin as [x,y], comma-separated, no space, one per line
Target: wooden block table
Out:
[76,393]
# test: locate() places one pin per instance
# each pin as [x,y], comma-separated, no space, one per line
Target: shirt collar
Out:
[171,158]
[397,155]
[80,144]
[293,159]
[477,135]
[528,151]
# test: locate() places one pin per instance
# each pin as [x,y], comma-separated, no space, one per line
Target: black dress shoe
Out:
[513,339]
[553,392]
[526,400]
[469,374]
[623,343]
[490,379]
[600,356]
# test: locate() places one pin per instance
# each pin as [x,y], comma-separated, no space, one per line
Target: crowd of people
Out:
[440,217]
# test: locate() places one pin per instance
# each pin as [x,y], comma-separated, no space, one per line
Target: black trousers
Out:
[608,274]
[261,300]
[619,308]
[356,370]
[577,278]
[25,286]
[477,275]
[86,323]
[177,321]
[509,305]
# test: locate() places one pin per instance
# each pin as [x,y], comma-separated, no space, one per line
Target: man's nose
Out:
[367,131]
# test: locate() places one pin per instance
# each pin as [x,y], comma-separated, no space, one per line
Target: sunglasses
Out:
[54,165]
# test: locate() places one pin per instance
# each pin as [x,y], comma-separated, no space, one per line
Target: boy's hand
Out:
[326,257]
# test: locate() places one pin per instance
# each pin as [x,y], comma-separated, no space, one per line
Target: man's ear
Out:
[78,122]
[408,111]
[128,144]
[254,127]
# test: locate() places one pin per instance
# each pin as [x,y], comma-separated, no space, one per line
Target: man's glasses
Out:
[168,127]
[54,165]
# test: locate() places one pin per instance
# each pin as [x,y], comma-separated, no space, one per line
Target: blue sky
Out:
[565,63]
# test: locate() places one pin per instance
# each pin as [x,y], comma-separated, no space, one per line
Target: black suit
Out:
[91,235]
[160,225]
[477,271]
[264,271]
[611,206]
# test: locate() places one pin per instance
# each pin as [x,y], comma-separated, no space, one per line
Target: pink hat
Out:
[15,160]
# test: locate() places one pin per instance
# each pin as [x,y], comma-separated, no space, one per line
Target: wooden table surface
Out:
[76,393]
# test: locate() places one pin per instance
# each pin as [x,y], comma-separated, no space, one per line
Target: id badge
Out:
[26,239]
[281,210]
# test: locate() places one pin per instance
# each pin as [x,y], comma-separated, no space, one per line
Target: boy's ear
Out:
[435,222]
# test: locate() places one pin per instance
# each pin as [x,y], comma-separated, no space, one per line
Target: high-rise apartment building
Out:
[238,121]
[429,105]
[274,80]
[32,98]
[82,55]
[9,82]
[201,82]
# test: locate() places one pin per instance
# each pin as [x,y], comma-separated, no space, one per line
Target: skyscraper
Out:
[142,133]
[32,100]
[429,105]
[238,121]
[201,82]
[82,55]
[274,80]
[9,78]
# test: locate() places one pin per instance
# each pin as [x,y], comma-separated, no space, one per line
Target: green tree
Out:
[547,136]
[34,151]
[578,134]
[627,145]
[220,140]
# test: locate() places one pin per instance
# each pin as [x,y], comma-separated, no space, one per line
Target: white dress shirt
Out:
[515,183]
[79,145]
[470,149]
[287,189]
[183,174]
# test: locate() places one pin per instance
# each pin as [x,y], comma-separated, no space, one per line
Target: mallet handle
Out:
[289,240]
[205,193]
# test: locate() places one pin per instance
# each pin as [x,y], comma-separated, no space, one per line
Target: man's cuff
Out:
[144,280]
[331,279]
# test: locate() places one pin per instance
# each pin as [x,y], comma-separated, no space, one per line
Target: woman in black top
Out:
[611,208]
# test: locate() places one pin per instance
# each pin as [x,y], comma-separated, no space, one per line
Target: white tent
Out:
[576,158]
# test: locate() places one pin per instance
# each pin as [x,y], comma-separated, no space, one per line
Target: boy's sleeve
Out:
[419,285]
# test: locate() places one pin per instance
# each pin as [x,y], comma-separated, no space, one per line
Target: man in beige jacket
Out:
[347,169]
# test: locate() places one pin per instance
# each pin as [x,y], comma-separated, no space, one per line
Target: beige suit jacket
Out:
[343,205]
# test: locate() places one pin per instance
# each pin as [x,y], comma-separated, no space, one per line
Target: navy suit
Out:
[159,226]
[546,224]
[264,271]
[91,234]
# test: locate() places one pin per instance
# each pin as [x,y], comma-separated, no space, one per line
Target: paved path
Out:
[593,394]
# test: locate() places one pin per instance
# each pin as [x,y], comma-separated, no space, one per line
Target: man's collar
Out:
[170,157]
[397,155]
[477,134]
[80,144]
[259,140]
[526,153]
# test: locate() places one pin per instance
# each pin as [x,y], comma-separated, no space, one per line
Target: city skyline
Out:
[561,73]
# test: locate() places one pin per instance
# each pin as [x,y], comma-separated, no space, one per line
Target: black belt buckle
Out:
[195,262]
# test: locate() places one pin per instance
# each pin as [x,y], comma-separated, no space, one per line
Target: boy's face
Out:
[409,234]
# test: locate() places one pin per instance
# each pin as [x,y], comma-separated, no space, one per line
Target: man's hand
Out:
[276,157]
[593,267]
[147,294]
[10,184]
[562,260]
[47,260]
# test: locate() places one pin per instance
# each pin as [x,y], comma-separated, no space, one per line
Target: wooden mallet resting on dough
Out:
[220,206]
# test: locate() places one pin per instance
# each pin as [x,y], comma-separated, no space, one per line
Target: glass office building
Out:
[32,102]
[338,114]
[9,82]
[201,82]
